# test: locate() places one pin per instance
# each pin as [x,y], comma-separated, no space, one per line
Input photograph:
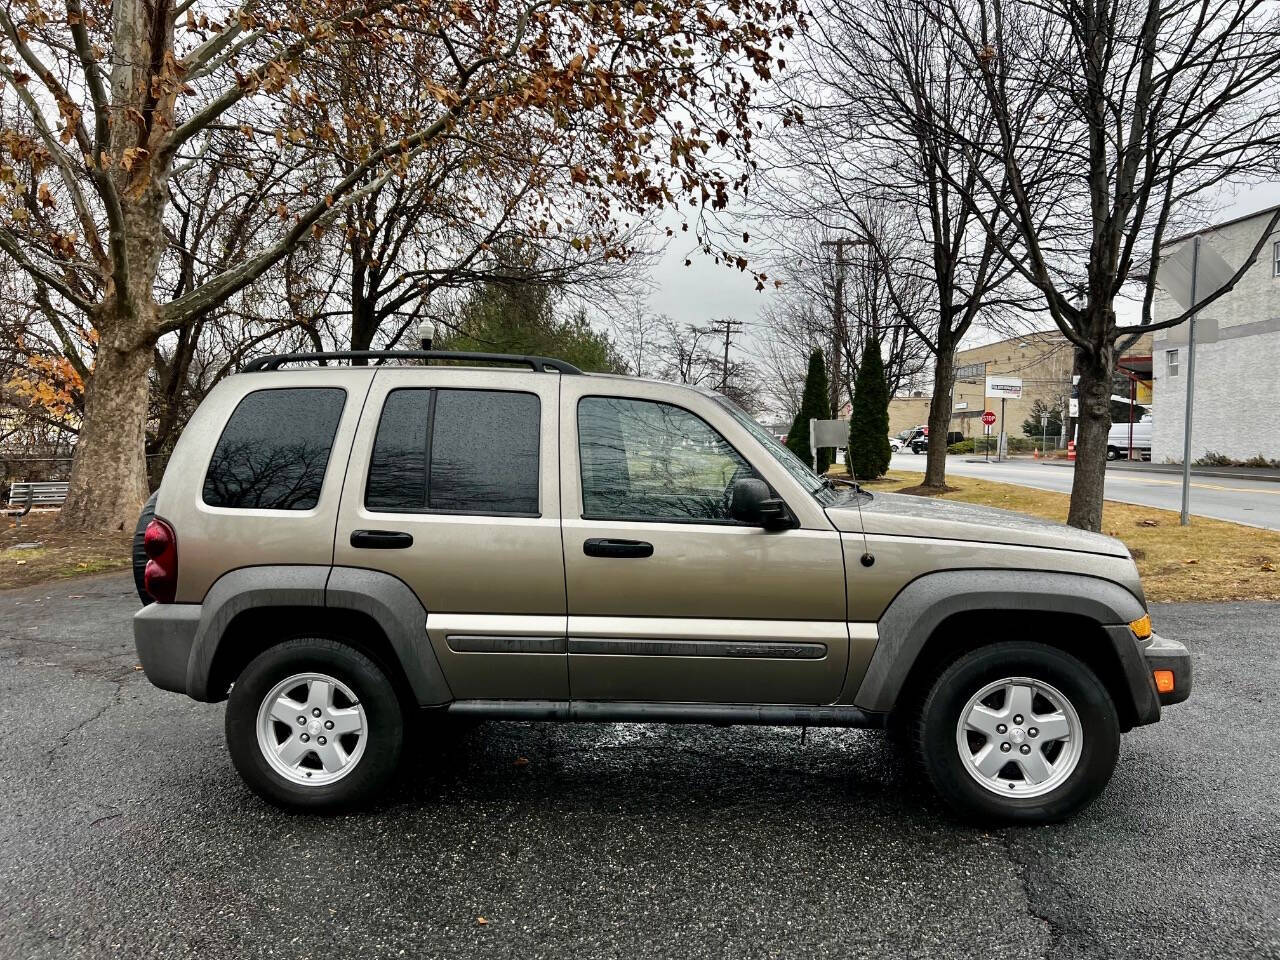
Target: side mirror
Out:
[751,501]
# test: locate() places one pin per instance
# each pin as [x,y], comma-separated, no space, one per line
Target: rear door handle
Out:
[381,539]
[608,547]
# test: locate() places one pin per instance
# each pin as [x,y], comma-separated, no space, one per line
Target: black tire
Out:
[940,712]
[1113,453]
[140,555]
[373,690]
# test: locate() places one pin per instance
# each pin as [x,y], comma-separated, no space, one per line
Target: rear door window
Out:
[456,451]
[274,450]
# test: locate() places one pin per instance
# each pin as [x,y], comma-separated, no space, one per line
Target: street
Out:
[126,832]
[1252,502]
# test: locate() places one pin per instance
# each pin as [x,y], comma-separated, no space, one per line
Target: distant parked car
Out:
[915,439]
[1118,442]
[895,444]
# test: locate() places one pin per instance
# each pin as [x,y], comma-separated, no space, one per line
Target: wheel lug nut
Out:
[302,721]
[1001,728]
[322,741]
[1025,748]
[305,738]
[1033,732]
[315,712]
[328,725]
[1017,719]
[1004,748]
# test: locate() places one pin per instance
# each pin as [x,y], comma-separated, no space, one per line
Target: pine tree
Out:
[813,406]
[869,451]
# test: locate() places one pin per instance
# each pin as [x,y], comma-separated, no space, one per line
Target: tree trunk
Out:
[944,376]
[108,469]
[1096,371]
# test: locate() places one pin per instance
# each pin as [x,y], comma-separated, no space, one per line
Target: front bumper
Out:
[164,634]
[1162,653]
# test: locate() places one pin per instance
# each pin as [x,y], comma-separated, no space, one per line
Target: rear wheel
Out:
[1113,453]
[314,724]
[1018,732]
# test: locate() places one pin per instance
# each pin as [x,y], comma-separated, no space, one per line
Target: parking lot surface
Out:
[124,830]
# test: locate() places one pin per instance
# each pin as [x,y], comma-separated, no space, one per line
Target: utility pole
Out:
[838,336]
[728,327]
[1185,517]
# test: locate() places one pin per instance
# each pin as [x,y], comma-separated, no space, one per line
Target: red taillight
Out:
[160,579]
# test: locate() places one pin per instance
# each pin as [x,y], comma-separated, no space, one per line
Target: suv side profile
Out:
[336,549]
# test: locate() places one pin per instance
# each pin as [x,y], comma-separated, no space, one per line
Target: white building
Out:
[1237,376]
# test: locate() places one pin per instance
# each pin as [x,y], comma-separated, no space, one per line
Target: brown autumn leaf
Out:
[1148,522]
[1192,560]
[1268,566]
[481,922]
[522,761]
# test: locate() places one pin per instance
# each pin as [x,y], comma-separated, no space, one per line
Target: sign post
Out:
[1006,388]
[827,433]
[988,418]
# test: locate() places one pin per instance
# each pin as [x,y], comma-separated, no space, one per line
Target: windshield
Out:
[817,487]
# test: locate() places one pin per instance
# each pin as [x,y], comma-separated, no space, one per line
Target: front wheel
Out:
[315,725]
[1018,732]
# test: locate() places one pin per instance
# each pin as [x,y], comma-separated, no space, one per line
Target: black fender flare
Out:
[384,598]
[916,612]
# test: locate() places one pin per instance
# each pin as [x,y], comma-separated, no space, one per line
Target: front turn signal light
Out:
[1164,680]
[1141,627]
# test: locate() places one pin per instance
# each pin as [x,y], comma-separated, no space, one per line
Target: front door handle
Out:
[608,547]
[381,539]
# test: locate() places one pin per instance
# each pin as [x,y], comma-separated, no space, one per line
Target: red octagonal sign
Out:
[989,417]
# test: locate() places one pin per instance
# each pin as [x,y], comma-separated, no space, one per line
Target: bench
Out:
[24,495]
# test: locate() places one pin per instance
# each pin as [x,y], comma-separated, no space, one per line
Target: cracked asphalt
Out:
[124,830]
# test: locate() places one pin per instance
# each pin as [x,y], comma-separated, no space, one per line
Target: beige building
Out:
[1042,360]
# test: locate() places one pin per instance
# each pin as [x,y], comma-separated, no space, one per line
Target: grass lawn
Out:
[59,555]
[1209,560]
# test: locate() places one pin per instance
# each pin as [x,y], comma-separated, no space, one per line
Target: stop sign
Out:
[989,417]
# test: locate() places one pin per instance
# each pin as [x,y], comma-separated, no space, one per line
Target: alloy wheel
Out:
[1019,737]
[312,729]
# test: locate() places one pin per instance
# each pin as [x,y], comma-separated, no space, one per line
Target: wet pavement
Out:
[124,830]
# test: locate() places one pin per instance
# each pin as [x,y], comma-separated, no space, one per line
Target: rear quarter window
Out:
[274,450]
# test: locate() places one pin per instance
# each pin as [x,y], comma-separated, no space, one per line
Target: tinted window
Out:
[274,450]
[653,461]
[398,468]
[456,451]
[484,452]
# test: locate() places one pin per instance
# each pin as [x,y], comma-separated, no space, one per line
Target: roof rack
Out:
[540,364]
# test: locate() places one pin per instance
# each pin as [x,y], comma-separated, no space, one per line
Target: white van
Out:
[1118,441]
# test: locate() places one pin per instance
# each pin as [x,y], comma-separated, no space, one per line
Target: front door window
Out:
[647,461]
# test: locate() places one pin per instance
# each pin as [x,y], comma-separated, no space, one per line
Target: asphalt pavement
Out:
[1252,502]
[125,832]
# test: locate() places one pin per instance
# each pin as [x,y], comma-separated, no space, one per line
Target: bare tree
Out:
[1146,107]
[837,305]
[861,147]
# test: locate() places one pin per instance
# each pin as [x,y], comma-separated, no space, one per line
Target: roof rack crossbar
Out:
[540,364]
